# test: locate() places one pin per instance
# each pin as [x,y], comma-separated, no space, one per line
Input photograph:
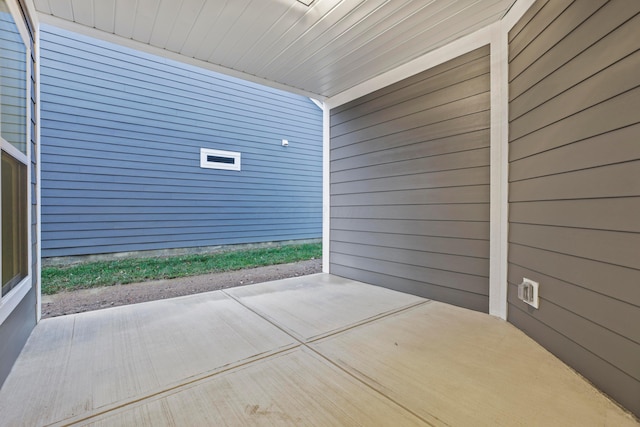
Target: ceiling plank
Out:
[441,30]
[286,33]
[323,50]
[349,83]
[366,43]
[270,31]
[207,18]
[274,19]
[165,21]
[83,12]
[326,30]
[259,16]
[105,15]
[327,50]
[62,8]
[185,22]
[226,19]
[125,18]
[42,6]
[145,14]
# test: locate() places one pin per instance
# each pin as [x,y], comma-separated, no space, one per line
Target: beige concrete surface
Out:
[320,304]
[453,366]
[316,350]
[298,387]
[79,363]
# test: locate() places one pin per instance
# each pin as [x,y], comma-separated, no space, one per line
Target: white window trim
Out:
[9,302]
[204,163]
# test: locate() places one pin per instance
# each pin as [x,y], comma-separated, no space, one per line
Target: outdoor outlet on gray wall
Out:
[528,292]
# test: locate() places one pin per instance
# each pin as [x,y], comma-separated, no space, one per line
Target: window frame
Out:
[10,301]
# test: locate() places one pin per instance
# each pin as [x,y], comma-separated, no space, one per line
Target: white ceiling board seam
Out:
[269,30]
[260,18]
[161,29]
[133,44]
[171,32]
[392,48]
[138,26]
[192,27]
[200,28]
[330,43]
[226,34]
[299,22]
[62,8]
[310,29]
[370,40]
[443,42]
[124,27]
[218,28]
[42,5]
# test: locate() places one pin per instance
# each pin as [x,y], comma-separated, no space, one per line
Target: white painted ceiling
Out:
[320,50]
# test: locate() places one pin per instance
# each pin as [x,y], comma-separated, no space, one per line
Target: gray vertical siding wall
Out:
[121,137]
[16,328]
[410,184]
[574,71]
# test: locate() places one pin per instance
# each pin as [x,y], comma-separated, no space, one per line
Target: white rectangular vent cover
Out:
[218,159]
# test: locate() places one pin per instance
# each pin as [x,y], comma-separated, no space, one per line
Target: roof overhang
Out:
[320,50]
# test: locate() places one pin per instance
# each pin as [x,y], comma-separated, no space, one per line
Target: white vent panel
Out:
[218,159]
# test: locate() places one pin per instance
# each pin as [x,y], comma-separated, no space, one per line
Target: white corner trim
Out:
[518,9]
[450,51]
[499,212]
[134,44]
[319,104]
[16,14]
[38,182]
[326,188]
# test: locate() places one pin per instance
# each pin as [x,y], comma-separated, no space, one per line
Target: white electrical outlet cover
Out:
[533,299]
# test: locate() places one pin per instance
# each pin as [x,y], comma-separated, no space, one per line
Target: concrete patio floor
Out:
[315,350]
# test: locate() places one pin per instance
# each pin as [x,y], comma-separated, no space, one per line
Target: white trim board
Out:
[499,184]
[319,104]
[516,12]
[326,188]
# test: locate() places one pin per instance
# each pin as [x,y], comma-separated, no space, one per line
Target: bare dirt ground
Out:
[111,296]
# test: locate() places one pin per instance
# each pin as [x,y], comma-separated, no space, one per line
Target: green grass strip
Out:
[107,273]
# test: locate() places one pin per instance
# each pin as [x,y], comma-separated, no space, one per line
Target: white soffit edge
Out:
[317,51]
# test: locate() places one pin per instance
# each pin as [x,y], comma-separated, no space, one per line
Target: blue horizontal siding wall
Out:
[121,138]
